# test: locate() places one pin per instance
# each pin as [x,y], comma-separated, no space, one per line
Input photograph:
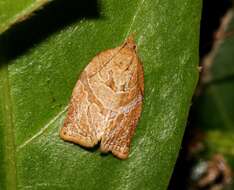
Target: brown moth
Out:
[106,102]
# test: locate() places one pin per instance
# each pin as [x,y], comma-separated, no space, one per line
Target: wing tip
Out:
[120,155]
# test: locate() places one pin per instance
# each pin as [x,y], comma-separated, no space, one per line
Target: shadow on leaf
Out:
[44,22]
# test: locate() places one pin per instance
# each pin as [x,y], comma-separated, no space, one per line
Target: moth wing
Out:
[100,61]
[140,75]
[117,136]
[77,126]
[84,122]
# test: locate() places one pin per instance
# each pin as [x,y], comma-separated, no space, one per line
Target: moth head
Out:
[130,43]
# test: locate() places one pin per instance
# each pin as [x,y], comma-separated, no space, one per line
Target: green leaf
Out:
[13,11]
[41,60]
[215,111]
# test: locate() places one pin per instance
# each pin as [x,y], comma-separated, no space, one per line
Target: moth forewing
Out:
[106,102]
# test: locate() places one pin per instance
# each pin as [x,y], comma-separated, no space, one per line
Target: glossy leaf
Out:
[14,11]
[41,60]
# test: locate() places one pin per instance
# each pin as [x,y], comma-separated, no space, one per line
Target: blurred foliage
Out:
[214,107]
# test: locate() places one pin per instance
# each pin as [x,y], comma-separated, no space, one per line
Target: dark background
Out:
[212,13]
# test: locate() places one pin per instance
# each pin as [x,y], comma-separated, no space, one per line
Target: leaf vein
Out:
[42,130]
[8,130]
[134,17]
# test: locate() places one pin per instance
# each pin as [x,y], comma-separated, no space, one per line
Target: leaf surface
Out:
[13,11]
[41,59]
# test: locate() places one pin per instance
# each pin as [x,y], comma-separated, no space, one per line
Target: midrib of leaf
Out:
[8,131]
[139,6]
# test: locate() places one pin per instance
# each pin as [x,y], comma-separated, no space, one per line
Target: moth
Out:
[106,101]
